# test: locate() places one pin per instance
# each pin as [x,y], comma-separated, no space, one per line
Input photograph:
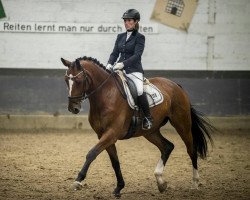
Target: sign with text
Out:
[80,28]
[175,13]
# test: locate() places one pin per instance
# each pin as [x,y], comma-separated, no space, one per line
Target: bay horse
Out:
[110,117]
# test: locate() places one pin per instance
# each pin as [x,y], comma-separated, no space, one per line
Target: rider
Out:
[129,47]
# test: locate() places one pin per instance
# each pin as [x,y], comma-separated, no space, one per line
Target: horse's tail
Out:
[201,129]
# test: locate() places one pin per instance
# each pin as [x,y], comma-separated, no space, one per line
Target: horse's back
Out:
[171,91]
[166,85]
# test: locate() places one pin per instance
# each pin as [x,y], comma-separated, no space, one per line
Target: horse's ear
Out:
[66,62]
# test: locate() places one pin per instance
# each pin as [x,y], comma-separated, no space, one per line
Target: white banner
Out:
[80,28]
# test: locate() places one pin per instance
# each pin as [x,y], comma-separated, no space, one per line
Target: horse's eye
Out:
[78,80]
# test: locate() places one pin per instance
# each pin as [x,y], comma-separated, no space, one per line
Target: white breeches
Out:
[137,78]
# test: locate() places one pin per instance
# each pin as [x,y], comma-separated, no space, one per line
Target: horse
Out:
[110,117]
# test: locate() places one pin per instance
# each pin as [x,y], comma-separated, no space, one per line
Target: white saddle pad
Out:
[154,95]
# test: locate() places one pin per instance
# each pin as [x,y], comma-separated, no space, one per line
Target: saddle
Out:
[154,95]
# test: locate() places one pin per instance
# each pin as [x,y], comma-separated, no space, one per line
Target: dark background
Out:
[43,91]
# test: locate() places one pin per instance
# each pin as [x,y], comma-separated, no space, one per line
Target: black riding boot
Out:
[148,120]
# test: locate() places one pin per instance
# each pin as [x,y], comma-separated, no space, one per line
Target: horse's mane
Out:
[94,60]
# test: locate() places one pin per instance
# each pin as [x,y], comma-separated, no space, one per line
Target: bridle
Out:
[71,77]
[86,78]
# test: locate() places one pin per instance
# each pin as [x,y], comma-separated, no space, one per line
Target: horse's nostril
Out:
[76,110]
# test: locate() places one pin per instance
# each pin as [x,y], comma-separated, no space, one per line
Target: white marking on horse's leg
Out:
[70,84]
[158,175]
[195,179]
[158,171]
[77,185]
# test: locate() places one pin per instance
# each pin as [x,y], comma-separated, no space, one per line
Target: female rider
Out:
[128,49]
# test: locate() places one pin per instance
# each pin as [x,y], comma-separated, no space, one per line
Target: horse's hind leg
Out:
[166,148]
[183,127]
[188,140]
[116,166]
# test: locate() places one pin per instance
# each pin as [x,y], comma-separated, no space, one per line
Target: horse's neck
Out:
[98,76]
[101,86]
[105,101]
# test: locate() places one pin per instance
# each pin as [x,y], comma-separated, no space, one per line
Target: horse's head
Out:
[77,81]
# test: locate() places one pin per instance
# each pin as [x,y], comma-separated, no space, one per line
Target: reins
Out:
[86,96]
[118,85]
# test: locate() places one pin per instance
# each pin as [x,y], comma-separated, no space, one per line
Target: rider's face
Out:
[129,24]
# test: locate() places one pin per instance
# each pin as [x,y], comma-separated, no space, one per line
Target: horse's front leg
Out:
[116,166]
[105,141]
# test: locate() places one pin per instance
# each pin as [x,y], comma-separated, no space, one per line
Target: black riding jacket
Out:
[130,51]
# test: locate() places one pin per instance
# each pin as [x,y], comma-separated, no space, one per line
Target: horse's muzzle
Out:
[74,108]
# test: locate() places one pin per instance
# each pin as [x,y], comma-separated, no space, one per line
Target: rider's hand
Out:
[109,66]
[118,66]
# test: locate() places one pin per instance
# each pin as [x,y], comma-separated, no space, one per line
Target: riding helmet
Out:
[131,14]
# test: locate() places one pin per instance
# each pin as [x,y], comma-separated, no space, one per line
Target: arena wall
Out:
[211,61]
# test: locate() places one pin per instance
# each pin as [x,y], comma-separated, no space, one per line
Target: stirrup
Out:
[147,124]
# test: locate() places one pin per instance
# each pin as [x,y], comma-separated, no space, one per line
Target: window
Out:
[175,7]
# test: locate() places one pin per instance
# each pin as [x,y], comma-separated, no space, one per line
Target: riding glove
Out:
[109,66]
[118,66]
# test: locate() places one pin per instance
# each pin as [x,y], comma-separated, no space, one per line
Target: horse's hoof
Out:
[117,194]
[195,185]
[162,187]
[77,185]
